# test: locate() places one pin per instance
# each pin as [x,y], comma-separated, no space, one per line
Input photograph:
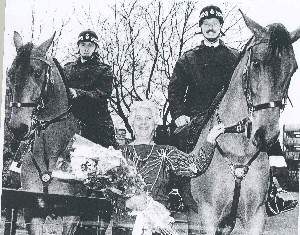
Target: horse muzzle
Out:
[263,140]
[20,132]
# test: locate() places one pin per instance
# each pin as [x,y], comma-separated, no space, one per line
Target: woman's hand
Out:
[182,120]
[215,132]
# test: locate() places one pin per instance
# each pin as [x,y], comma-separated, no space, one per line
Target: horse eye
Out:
[38,72]
[255,64]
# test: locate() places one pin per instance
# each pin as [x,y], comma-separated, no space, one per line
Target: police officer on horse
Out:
[89,83]
[199,76]
[90,86]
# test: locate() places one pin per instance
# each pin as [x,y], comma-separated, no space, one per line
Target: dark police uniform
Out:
[199,75]
[92,81]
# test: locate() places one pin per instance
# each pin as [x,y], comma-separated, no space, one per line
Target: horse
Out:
[236,183]
[40,115]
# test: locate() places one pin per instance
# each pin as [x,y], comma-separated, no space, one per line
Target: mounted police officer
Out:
[201,73]
[90,86]
[89,83]
[199,80]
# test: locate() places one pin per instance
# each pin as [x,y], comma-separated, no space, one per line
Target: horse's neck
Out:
[57,100]
[232,109]
[233,106]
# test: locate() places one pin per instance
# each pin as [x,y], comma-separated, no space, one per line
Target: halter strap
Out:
[45,60]
[272,104]
[21,105]
[245,84]
[40,103]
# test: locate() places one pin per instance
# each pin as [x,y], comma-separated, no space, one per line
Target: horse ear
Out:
[295,35]
[17,40]
[46,45]
[256,29]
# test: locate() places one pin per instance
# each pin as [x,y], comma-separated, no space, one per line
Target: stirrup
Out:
[277,205]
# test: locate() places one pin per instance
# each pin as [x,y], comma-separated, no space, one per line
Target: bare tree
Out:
[142,42]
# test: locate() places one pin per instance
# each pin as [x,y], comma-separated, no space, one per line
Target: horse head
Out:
[30,81]
[266,77]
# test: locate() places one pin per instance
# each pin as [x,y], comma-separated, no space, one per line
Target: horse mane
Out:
[280,40]
[241,55]
[20,66]
[63,77]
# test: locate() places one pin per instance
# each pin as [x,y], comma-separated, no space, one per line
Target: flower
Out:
[105,170]
[100,169]
[121,180]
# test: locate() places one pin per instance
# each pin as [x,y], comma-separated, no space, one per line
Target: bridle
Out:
[40,101]
[245,125]
[38,125]
[246,86]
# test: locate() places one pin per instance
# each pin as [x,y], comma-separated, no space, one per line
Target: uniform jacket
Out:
[199,75]
[92,81]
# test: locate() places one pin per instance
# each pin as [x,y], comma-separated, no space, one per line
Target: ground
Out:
[283,224]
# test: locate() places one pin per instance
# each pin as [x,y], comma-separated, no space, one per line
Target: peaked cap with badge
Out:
[209,12]
[88,36]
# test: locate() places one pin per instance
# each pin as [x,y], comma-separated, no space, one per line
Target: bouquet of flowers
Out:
[105,170]
[101,169]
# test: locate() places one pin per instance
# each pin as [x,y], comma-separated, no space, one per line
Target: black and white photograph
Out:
[153,117]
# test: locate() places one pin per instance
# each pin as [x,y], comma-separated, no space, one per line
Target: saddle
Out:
[186,137]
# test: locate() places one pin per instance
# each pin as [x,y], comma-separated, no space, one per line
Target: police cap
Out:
[209,12]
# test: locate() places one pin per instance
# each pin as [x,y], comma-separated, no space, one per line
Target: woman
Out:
[156,162]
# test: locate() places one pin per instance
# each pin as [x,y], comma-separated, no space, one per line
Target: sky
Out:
[51,12]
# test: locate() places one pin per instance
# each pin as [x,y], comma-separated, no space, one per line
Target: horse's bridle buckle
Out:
[239,171]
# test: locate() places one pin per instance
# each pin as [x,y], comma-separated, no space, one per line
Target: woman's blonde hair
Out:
[147,104]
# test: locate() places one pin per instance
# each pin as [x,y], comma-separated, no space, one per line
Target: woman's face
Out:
[144,124]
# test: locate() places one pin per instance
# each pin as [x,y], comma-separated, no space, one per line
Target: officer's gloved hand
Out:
[73,93]
[182,120]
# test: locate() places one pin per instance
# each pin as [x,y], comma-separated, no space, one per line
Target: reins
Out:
[38,125]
